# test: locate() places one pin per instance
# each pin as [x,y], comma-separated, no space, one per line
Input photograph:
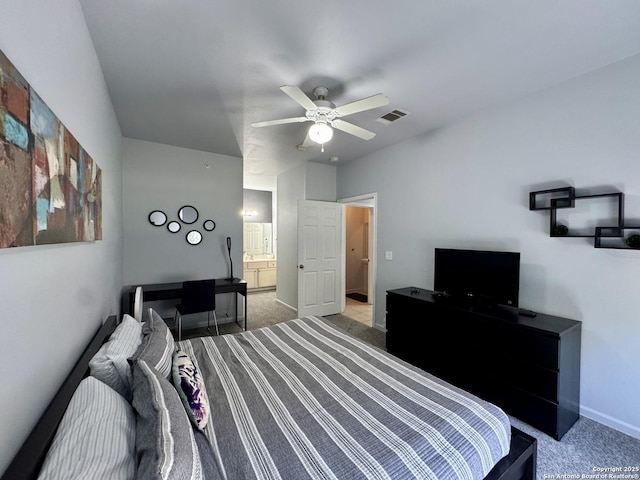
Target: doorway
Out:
[359,258]
[259,259]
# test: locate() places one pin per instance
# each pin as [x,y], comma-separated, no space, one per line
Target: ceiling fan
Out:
[324,114]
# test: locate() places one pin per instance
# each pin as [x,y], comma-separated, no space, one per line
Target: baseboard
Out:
[356,290]
[609,421]
[261,289]
[286,305]
[380,326]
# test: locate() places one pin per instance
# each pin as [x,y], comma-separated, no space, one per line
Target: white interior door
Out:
[319,258]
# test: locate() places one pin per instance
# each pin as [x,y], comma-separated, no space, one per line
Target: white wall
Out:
[163,177]
[54,297]
[320,182]
[310,181]
[260,182]
[291,188]
[467,186]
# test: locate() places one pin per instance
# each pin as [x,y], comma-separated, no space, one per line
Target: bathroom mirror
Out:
[173,226]
[209,225]
[157,218]
[188,214]
[194,237]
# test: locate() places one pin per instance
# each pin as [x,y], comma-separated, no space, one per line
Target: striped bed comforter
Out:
[304,399]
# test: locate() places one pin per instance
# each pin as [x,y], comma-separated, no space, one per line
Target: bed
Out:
[301,399]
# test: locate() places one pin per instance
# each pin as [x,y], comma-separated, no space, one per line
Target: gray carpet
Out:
[264,310]
[586,446]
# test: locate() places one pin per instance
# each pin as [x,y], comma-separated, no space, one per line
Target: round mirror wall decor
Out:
[188,214]
[194,237]
[157,218]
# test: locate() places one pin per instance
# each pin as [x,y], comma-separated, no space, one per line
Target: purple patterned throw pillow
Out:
[190,387]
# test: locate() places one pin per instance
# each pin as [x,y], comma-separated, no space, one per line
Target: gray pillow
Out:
[165,442]
[157,345]
[110,365]
[96,437]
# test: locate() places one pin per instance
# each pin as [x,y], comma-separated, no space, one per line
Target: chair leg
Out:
[215,319]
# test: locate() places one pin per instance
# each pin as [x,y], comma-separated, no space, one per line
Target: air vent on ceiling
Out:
[392,116]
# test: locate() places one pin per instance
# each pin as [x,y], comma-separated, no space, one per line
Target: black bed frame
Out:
[520,464]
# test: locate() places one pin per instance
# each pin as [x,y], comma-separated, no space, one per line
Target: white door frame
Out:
[367,200]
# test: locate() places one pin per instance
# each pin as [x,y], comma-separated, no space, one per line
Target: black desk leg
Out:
[236,295]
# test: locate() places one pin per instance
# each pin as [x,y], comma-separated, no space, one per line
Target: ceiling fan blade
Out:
[282,121]
[353,129]
[368,103]
[299,96]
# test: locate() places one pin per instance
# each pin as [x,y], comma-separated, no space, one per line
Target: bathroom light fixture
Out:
[320,132]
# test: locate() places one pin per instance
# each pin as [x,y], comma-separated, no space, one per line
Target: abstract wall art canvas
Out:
[50,188]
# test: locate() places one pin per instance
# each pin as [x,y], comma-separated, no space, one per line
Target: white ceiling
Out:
[196,73]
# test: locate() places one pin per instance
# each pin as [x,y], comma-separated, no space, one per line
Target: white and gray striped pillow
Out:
[96,437]
[110,364]
[165,443]
[157,345]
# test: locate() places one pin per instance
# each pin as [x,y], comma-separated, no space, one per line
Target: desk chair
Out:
[197,296]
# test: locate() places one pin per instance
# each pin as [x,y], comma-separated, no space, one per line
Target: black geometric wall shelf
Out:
[616,222]
[610,233]
[615,237]
[551,199]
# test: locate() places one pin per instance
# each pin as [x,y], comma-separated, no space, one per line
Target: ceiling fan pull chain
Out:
[322,147]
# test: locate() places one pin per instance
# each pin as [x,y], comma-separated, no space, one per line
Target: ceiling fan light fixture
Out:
[320,132]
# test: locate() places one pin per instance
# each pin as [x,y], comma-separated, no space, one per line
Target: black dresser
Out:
[529,366]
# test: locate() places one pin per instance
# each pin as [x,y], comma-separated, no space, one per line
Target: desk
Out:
[172,291]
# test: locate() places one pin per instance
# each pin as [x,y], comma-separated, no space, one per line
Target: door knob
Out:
[301,267]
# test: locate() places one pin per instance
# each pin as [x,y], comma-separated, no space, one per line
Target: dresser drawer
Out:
[411,312]
[535,348]
[403,346]
[536,411]
[541,382]
[400,307]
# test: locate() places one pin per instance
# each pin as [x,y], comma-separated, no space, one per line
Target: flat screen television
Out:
[478,276]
